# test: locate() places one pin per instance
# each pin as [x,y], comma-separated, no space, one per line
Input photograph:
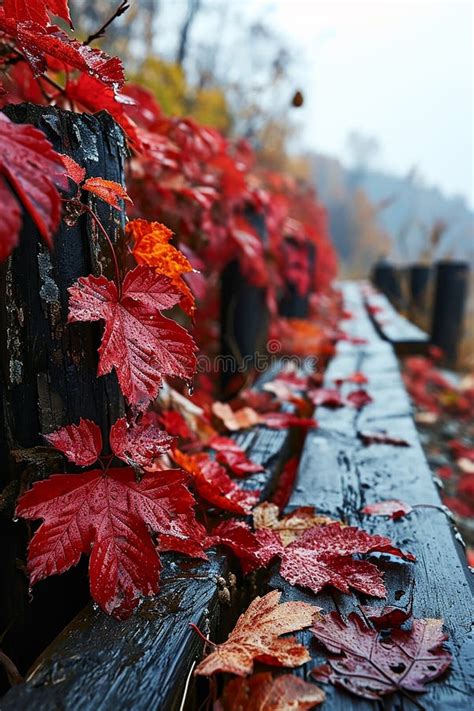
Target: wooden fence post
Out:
[243,317]
[385,279]
[48,374]
[451,288]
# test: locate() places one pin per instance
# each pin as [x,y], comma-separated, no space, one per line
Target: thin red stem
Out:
[204,639]
[111,246]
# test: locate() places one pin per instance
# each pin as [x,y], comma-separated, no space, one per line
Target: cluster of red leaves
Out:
[433,392]
[439,401]
[31,172]
[107,513]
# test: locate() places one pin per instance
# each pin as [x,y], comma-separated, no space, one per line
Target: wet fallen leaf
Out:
[263,692]
[257,637]
[371,665]
[322,556]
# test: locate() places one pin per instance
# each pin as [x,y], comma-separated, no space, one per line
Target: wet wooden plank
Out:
[405,337]
[340,476]
[144,662]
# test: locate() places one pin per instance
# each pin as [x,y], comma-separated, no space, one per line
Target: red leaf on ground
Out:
[326,397]
[109,517]
[30,172]
[282,420]
[107,190]
[370,665]
[391,507]
[359,398]
[238,463]
[384,618]
[257,637]
[36,10]
[140,343]
[369,438]
[357,378]
[322,556]
[214,484]
[262,692]
[233,456]
[286,482]
[237,536]
[82,443]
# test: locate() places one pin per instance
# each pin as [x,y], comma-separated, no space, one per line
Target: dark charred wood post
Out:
[293,303]
[48,369]
[449,306]
[419,280]
[385,278]
[419,294]
[243,317]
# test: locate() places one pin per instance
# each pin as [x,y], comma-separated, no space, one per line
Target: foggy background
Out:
[385,127]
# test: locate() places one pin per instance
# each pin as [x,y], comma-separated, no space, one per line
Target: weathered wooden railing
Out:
[147,661]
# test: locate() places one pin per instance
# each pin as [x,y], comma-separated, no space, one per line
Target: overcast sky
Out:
[400,71]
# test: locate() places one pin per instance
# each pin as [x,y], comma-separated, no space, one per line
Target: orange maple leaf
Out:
[151,247]
[256,637]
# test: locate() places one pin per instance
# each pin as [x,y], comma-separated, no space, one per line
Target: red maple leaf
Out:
[237,536]
[38,43]
[214,484]
[108,514]
[371,665]
[322,556]
[139,342]
[30,172]
[36,10]
[282,420]
[82,443]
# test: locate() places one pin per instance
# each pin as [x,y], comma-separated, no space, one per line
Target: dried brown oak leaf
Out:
[257,637]
[290,526]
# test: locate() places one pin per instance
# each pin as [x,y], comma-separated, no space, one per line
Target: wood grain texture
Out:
[340,476]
